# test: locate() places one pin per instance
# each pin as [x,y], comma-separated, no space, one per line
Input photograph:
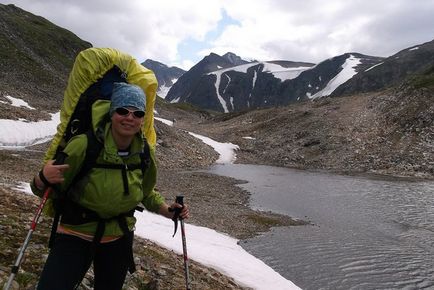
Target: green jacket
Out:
[102,190]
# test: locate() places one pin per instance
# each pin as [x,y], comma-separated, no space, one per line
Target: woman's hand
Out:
[184,210]
[53,174]
[169,211]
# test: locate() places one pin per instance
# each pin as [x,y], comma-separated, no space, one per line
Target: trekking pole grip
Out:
[180,200]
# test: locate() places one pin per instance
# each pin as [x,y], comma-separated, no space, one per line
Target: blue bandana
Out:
[127,95]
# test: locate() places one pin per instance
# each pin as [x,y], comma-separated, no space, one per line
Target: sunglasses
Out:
[125,112]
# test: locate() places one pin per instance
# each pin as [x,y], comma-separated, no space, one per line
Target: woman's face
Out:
[125,122]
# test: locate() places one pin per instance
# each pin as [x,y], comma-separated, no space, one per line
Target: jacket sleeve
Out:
[152,199]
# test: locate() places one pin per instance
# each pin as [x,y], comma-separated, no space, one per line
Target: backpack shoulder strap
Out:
[93,149]
[145,156]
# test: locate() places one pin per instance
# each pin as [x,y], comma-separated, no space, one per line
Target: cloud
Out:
[316,30]
[144,29]
[182,32]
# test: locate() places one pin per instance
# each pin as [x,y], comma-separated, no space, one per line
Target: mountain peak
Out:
[234,59]
[166,76]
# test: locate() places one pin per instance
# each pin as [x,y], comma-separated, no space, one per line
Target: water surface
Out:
[366,233]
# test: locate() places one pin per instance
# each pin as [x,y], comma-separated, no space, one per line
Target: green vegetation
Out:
[425,80]
[265,220]
[268,220]
[26,278]
[36,55]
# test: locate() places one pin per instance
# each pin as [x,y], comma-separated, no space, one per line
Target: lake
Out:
[366,233]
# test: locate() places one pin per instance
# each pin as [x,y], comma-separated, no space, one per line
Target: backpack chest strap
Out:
[123,168]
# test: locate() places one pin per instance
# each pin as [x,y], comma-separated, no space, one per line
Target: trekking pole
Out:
[180,200]
[16,266]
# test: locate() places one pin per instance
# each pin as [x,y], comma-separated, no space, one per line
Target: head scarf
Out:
[127,95]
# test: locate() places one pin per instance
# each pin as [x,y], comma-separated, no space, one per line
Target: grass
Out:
[425,80]
[262,220]
[268,220]
[35,48]
[25,278]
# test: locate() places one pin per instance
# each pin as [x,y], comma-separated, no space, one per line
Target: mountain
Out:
[234,59]
[187,85]
[35,57]
[228,84]
[391,71]
[322,79]
[256,84]
[166,76]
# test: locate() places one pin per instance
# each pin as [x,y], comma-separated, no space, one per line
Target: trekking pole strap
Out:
[43,179]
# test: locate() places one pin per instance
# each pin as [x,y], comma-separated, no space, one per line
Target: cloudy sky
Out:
[181,33]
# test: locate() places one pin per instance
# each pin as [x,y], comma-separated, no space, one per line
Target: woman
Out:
[97,222]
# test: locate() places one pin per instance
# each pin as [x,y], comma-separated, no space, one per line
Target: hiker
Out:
[97,220]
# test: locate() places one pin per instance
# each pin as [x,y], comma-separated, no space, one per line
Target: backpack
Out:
[91,79]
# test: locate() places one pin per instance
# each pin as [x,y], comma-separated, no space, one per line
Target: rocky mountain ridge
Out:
[257,84]
[35,58]
[387,133]
[391,71]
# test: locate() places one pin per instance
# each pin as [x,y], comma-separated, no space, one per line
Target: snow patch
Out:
[284,73]
[23,133]
[344,75]
[226,150]
[374,66]
[212,249]
[17,102]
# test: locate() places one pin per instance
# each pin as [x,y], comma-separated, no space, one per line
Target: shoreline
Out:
[215,199]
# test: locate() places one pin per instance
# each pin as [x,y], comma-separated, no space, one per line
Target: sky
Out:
[204,245]
[181,33]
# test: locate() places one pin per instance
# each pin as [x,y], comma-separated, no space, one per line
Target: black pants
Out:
[71,257]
